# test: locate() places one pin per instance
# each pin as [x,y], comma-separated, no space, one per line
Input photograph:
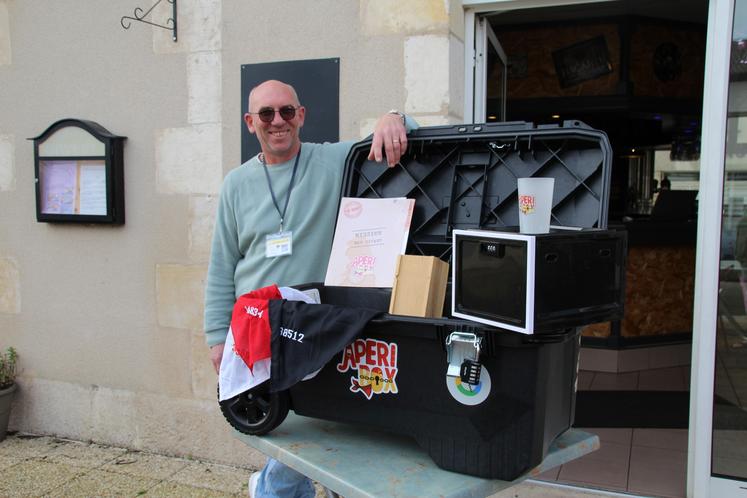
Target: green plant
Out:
[8,368]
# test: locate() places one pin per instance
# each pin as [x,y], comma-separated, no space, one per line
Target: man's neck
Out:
[271,159]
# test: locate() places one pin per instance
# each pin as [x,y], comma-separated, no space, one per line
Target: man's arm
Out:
[390,135]
[219,289]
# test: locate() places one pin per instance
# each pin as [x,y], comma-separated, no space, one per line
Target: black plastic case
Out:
[499,429]
[464,177]
[403,376]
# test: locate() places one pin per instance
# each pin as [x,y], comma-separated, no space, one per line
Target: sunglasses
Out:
[267,115]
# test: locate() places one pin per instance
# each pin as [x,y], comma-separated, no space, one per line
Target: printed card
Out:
[369,236]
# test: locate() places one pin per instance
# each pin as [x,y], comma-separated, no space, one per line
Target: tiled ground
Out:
[649,462]
[653,462]
[658,379]
[730,436]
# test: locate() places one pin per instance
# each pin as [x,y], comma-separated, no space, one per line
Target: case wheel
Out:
[256,411]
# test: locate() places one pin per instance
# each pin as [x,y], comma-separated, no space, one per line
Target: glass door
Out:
[729,426]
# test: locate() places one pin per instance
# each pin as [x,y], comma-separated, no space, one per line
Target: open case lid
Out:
[464,176]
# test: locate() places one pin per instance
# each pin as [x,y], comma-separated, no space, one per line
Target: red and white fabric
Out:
[246,361]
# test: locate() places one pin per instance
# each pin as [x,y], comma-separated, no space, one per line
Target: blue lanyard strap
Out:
[290,186]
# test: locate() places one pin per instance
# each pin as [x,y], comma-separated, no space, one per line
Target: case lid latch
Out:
[463,355]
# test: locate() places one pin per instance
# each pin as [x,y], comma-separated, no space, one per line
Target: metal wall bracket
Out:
[140,16]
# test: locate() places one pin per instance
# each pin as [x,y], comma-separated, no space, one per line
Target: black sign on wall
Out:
[317,83]
[582,61]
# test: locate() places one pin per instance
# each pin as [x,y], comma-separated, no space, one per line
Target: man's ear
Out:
[301,115]
[249,120]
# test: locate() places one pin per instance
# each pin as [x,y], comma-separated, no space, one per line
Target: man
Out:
[275,225]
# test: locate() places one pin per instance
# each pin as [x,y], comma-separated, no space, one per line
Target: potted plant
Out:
[7,387]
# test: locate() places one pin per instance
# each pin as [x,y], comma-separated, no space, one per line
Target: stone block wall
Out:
[108,320]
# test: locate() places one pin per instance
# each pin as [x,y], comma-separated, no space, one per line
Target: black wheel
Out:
[256,411]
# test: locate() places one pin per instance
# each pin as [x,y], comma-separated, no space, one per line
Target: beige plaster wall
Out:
[371,38]
[107,320]
[5,49]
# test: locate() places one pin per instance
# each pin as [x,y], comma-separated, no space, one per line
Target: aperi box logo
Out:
[526,204]
[376,363]
[363,265]
[352,209]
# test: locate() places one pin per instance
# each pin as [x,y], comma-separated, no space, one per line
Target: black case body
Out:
[464,177]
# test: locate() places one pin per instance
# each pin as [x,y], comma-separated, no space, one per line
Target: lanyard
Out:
[290,186]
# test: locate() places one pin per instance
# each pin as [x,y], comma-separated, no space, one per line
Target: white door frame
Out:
[707,259]
[700,484]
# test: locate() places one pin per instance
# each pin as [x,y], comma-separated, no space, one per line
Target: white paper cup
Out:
[535,204]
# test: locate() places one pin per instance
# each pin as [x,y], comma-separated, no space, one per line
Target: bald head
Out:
[272,86]
[278,137]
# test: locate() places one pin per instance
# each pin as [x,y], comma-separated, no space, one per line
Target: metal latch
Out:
[463,355]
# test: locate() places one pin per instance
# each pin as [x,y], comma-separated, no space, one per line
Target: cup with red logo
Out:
[535,204]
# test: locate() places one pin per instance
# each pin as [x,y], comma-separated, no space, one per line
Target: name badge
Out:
[279,244]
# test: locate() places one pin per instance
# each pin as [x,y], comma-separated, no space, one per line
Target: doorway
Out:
[634,69]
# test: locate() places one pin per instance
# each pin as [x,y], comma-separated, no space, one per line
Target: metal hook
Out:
[140,17]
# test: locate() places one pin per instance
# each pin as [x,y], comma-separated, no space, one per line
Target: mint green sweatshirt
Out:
[246,215]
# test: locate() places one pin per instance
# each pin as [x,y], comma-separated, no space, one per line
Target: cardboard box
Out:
[419,286]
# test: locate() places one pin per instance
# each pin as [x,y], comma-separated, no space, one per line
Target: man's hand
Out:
[390,135]
[216,354]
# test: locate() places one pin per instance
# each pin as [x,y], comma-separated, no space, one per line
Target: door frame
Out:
[700,483]
[485,38]
[707,258]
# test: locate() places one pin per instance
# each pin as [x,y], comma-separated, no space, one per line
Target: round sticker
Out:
[467,394]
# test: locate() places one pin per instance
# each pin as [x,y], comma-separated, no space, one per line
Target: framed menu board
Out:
[79,174]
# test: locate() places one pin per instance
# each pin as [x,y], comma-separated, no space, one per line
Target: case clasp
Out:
[463,355]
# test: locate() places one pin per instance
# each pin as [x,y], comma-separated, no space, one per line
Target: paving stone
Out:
[170,489]
[102,484]
[6,462]
[33,478]
[49,467]
[213,476]
[24,446]
[142,464]
[83,454]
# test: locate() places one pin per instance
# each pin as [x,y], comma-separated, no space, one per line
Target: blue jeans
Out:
[280,481]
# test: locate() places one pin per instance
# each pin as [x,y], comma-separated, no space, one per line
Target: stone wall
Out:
[107,320]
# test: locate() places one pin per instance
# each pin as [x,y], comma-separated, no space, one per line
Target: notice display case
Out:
[79,173]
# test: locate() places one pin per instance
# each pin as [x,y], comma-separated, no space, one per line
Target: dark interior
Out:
[632,68]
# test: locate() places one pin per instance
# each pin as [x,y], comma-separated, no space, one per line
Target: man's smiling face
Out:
[279,139]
